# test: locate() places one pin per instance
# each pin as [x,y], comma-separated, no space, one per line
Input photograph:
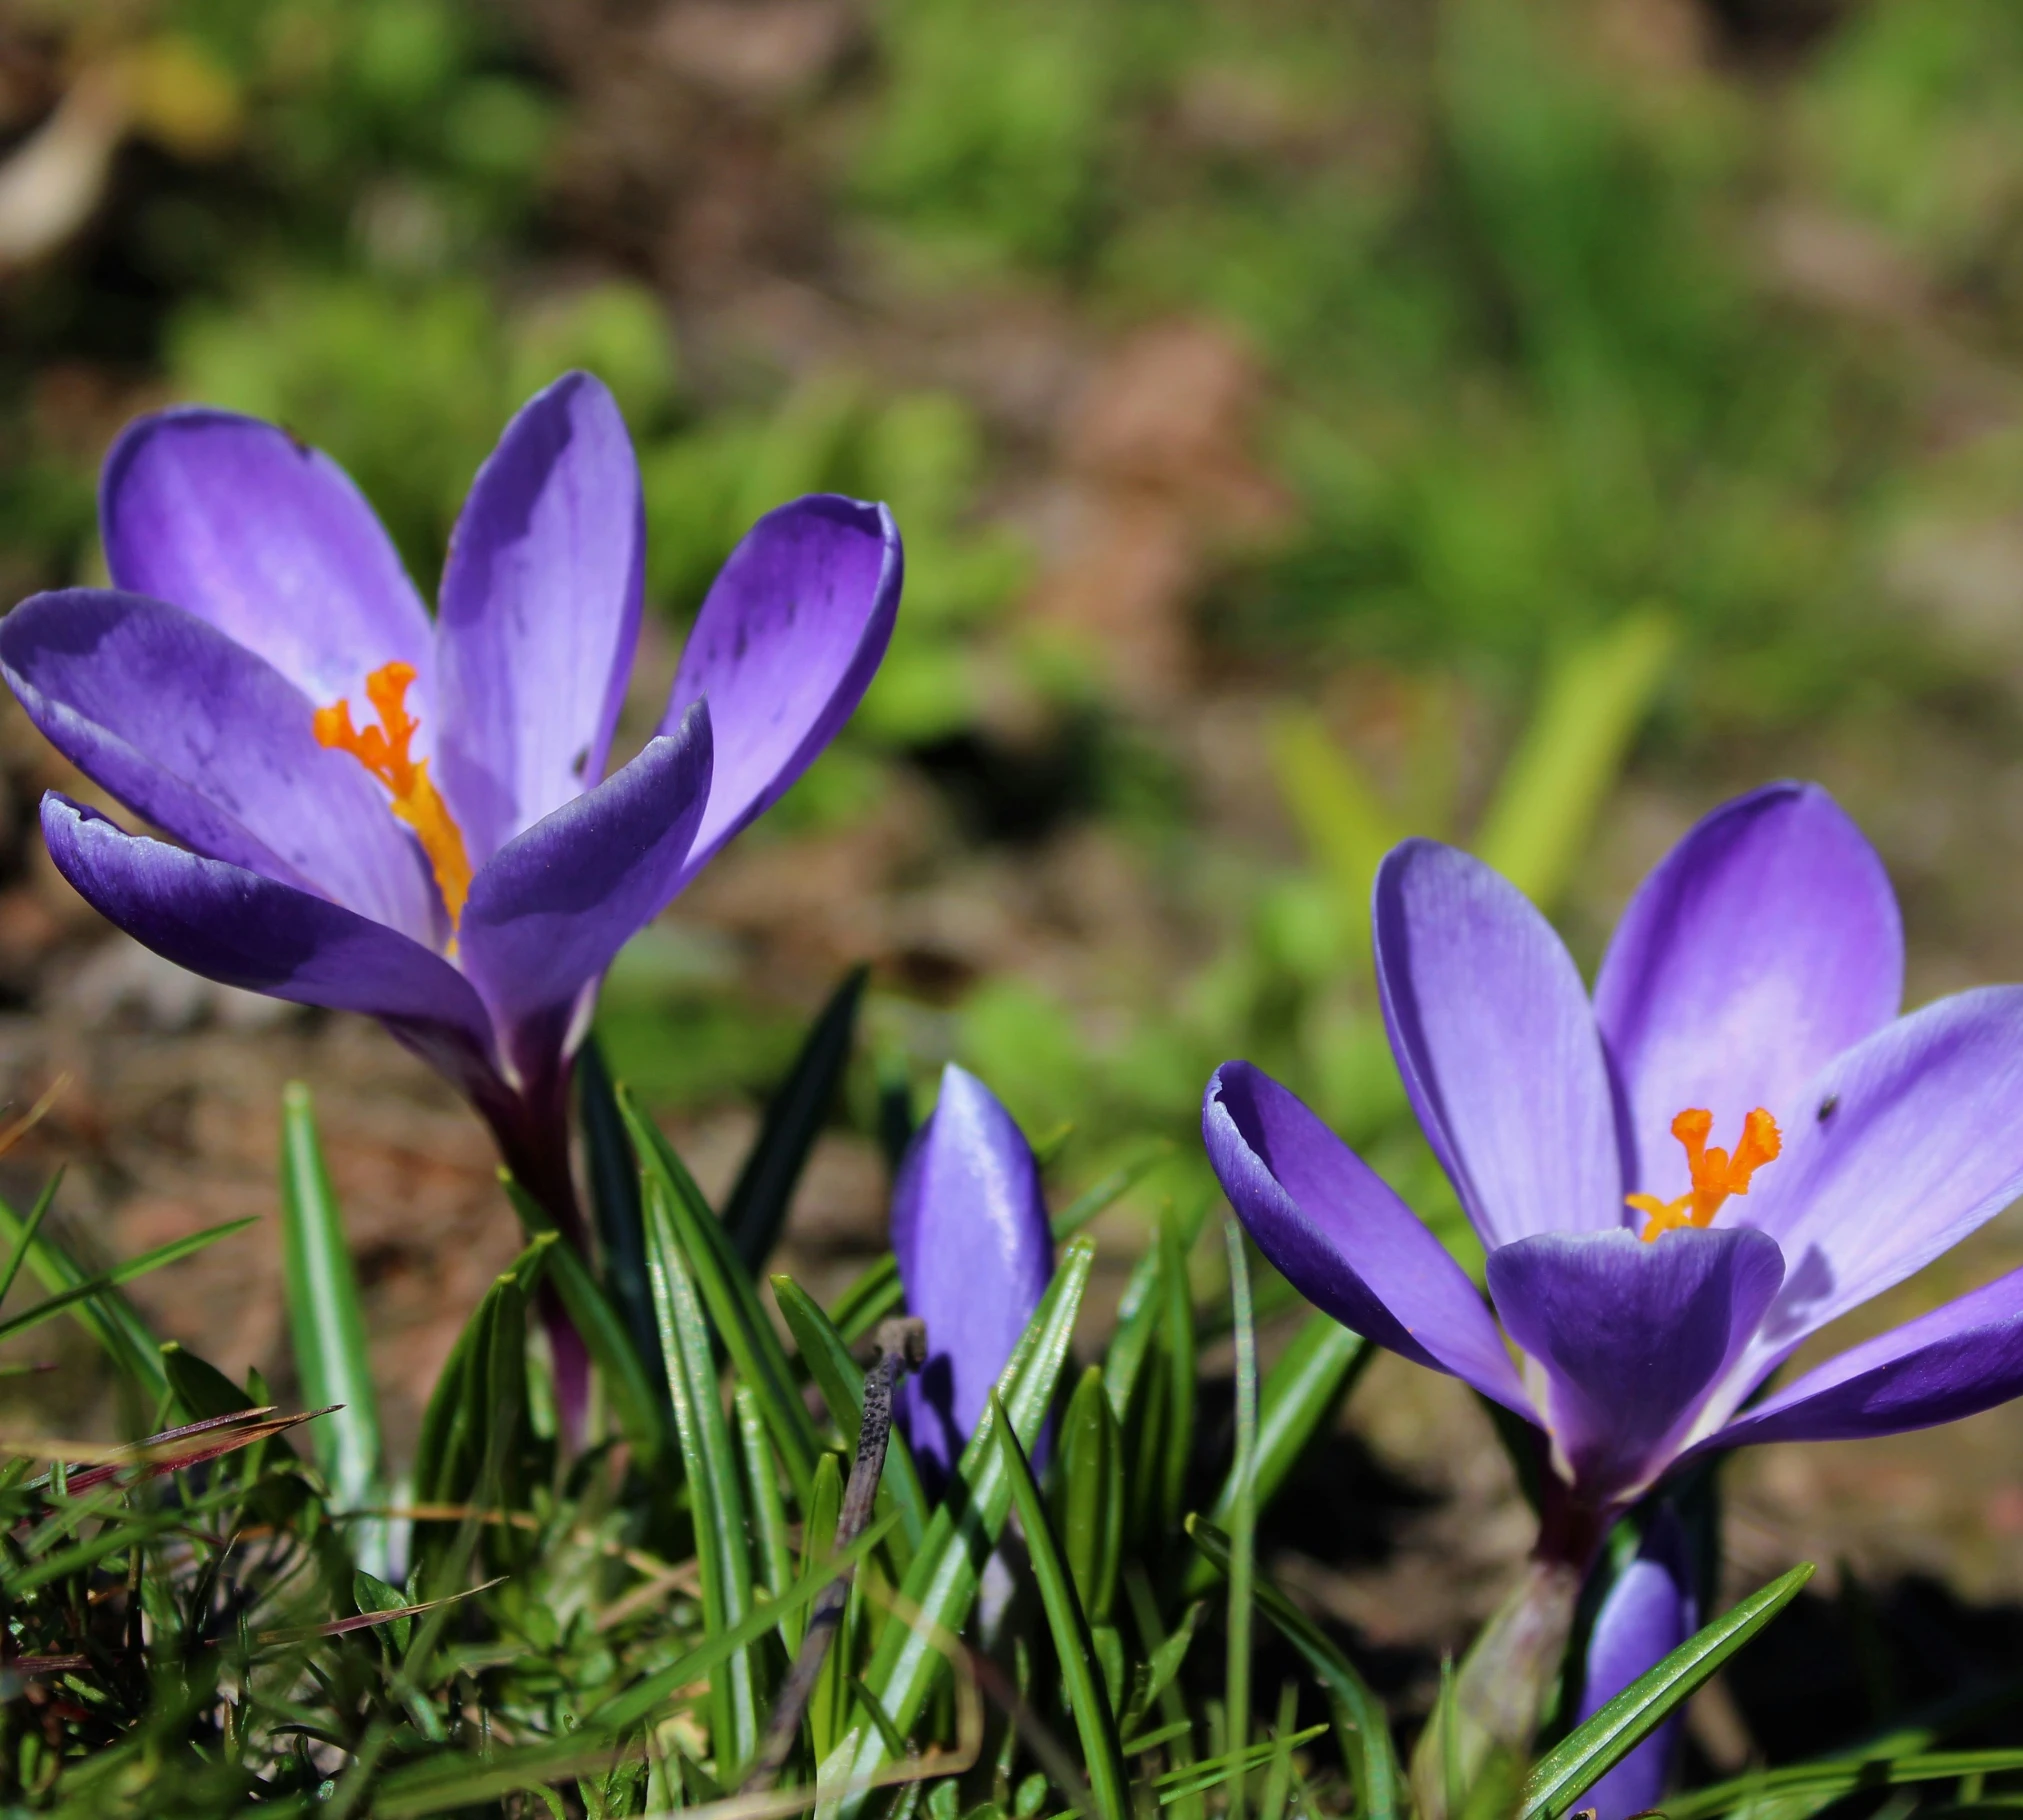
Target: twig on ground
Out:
[902,1346]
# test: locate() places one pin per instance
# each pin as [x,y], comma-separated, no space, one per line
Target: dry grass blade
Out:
[369,1620]
[11,1135]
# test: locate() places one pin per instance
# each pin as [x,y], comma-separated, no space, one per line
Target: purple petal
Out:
[552,907]
[1647,1614]
[1903,1146]
[975,1255]
[1339,1235]
[245,930]
[785,646]
[1953,1362]
[210,742]
[540,613]
[1497,1046]
[1764,944]
[1631,1336]
[269,541]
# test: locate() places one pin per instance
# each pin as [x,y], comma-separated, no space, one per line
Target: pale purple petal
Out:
[1763,945]
[550,910]
[1343,1239]
[540,613]
[1903,1146]
[1631,1336]
[269,541]
[211,743]
[785,646]
[244,930]
[1497,1046]
[975,1252]
[1953,1362]
[1647,1613]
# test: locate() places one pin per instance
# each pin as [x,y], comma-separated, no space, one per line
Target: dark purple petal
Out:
[1339,1235]
[540,613]
[1632,1336]
[270,542]
[1905,1144]
[975,1255]
[552,907]
[1764,944]
[784,647]
[1647,1614]
[1497,1046]
[234,926]
[209,741]
[1953,1362]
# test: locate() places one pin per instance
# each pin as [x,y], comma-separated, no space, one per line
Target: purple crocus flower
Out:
[975,1252]
[1645,1615]
[454,861]
[1649,1281]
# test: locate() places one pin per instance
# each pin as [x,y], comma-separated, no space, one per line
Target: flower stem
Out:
[1500,1689]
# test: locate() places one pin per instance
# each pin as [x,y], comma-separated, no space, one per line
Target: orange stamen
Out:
[383,750]
[1716,1174]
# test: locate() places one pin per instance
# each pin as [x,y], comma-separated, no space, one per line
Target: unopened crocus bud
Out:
[969,1228]
[1647,1614]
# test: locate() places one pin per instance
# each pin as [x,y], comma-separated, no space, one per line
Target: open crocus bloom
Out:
[975,1252]
[1649,1277]
[407,816]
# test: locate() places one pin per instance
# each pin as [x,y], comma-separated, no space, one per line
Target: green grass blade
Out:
[1089,1495]
[841,1383]
[1345,828]
[159,1258]
[1359,1714]
[756,1211]
[638,1398]
[1590,1751]
[716,1501]
[1176,1348]
[1278,1781]
[1572,753]
[1074,1648]
[769,1513]
[450,1450]
[644,1698]
[1137,1321]
[1299,1396]
[1243,1509]
[827,1704]
[36,1215]
[171,1253]
[1106,1192]
[326,1324]
[941,1585]
[613,1173]
[1231,1767]
[1824,1781]
[110,1318]
[874,1295]
[729,1293]
[204,1391]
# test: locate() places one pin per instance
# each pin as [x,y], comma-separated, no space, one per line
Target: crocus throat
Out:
[383,750]
[1716,1174]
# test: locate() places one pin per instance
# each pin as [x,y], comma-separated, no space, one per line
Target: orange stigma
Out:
[1716,1174]
[383,750]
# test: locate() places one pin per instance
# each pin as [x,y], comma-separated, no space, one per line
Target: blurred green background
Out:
[1310,421]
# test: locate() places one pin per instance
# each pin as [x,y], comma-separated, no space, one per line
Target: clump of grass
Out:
[245,1611]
